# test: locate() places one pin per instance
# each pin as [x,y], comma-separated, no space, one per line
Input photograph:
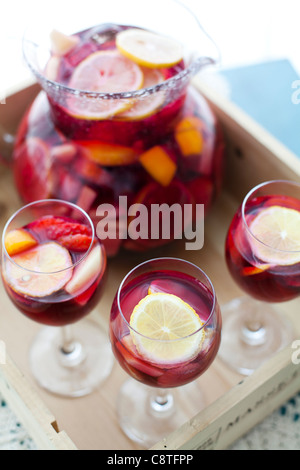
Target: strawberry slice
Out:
[56,227]
[77,242]
[45,222]
[55,232]
[71,234]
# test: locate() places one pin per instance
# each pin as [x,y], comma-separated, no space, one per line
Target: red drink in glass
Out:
[65,305]
[263,256]
[53,270]
[261,279]
[165,330]
[191,291]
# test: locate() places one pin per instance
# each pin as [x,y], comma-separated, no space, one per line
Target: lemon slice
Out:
[149,49]
[278,230]
[104,72]
[159,322]
[145,106]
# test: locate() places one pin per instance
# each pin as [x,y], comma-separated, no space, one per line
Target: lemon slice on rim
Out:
[104,72]
[145,106]
[166,330]
[149,49]
[278,230]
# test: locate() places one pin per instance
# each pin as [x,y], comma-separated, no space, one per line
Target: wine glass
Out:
[165,330]
[53,270]
[263,257]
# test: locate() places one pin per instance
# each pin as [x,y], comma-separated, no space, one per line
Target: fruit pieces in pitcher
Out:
[161,143]
[104,72]
[149,49]
[89,173]
[114,70]
[131,59]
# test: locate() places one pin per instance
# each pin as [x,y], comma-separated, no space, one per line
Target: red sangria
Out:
[165,330]
[263,257]
[117,117]
[53,269]
[265,261]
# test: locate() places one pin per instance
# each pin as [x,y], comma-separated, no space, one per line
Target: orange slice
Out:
[188,136]
[104,72]
[159,165]
[278,230]
[166,329]
[149,49]
[252,270]
[18,240]
[146,105]
[30,272]
[107,154]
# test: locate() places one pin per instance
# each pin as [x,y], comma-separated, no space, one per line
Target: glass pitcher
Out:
[149,137]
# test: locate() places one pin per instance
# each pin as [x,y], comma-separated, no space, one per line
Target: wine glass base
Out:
[146,422]
[75,374]
[243,350]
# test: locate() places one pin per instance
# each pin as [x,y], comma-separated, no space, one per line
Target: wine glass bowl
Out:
[263,256]
[53,270]
[165,330]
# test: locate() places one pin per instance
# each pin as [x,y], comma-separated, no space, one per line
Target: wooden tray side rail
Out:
[253,156]
[30,410]
[236,412]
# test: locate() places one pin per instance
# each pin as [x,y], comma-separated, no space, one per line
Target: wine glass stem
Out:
[254,331]
[68,344]
[162,401]
[71,351]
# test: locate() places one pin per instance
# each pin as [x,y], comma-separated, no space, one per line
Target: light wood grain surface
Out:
[91,422]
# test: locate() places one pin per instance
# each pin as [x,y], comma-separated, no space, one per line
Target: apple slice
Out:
[61,44]
[52,68]
[86,273]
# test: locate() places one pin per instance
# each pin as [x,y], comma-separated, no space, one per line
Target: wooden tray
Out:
[233,404]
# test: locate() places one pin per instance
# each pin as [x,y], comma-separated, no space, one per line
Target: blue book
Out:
[270,93]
